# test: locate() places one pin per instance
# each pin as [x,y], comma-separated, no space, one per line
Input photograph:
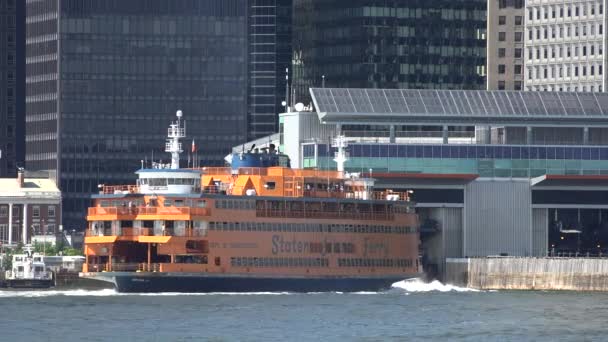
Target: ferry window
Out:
[51,211]
[168,203]
[202,204]
[36,211]
[270,185]
[38,269]
[19,268]
[3,211]
[218,261]
[15,211]
[179,203]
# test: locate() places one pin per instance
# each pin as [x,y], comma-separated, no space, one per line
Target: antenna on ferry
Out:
[341,155]
[173,146]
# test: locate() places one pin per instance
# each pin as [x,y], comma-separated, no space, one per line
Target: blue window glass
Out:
[525,152]
[462,152]
[506,152]
[445,151]
[478,152]
[355,150]
[576,153]
[586,154]
[366,150]
[533,153]
[453,151]
[427,151]
[471,152]
[393,151]
[383,151]
[595,153]
[515,152]
[568,153]
[418,152]
[437,152]
[401,151]
[411,151]
[375,151]
[559,153]
[542,153]
[550,153]
[322,150]
[490,152]
[604,154]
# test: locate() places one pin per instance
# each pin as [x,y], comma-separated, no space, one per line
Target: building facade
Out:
[28,206]
[565,43]
[105,77]
[505,44]
[269,58]
[389,44]
[12,80]
[541,190]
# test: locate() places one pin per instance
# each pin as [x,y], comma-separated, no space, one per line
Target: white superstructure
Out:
[170,179]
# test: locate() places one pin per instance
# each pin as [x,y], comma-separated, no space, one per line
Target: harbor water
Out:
[412,311]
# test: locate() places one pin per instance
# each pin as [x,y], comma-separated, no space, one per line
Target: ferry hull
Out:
[222,283]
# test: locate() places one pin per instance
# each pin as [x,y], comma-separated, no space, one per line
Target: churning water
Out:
[411,310]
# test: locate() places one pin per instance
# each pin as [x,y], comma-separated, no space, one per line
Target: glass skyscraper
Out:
[389,44]
[105,77]
[12,81]
[269,57]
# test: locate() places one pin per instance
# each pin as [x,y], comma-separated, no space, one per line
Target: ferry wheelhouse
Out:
[257,225]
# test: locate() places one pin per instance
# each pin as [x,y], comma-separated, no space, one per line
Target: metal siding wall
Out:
[498,218]
[540,232]
[312,128]
[452,232]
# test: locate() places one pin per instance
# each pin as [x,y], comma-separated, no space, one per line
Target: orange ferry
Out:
[257,225]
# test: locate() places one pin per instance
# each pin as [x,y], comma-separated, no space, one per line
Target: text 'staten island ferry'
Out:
[255,226]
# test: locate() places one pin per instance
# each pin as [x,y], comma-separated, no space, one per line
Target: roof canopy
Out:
[460,107]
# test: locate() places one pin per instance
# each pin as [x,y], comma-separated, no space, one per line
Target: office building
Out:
[505,44]
[105,77]
[12,78]
[565,43]
[389,44]
[269,57]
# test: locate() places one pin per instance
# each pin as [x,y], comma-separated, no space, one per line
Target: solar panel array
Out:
[468,103]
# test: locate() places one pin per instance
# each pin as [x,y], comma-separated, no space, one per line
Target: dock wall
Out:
[579,274]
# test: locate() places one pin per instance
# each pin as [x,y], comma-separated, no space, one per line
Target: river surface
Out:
[410,311]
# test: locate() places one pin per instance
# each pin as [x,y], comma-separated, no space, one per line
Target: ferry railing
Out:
[152,267]
[324,214]
[103,267]
[148,211]
[119,189]
[125,267]
[131,231]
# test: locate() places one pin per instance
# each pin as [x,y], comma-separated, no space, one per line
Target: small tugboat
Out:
[28,271]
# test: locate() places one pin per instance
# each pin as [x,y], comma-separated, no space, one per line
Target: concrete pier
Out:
[509,273]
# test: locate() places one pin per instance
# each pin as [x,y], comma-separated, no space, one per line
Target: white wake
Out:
[417,285]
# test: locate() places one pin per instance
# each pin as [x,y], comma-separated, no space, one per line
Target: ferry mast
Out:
[173,146]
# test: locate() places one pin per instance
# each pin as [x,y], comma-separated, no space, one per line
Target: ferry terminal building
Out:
[529,179]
